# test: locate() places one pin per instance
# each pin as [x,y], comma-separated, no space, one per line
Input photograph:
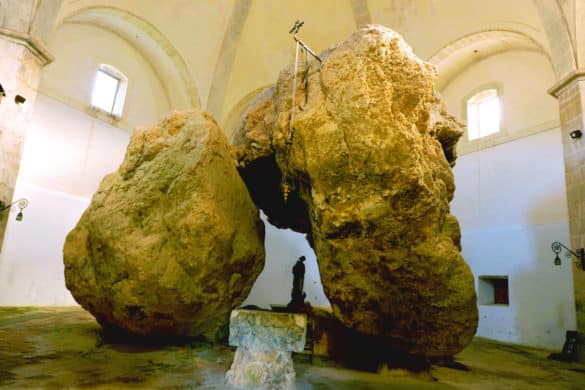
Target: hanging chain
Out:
[293,97]
[286,186]
[306,80]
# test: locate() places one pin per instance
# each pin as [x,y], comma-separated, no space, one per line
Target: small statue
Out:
[298,295]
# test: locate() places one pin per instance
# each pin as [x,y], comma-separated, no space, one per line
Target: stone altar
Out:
[265,341]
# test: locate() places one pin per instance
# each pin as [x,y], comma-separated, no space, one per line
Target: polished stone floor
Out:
[63,348]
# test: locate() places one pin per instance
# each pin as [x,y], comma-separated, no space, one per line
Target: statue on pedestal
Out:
[298,295]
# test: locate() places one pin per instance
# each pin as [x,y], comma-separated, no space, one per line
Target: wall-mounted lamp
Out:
[2,93]
[576,134]
[19,99]
[21,203]
[556,248]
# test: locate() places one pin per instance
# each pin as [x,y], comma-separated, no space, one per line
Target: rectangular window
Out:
[105,91]
[489,114]
[501,291]
[493,290]
[483,114]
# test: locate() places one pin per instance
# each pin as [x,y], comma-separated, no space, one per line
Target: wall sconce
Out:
[2,93]
[21,203]
[576,134]
[556,248]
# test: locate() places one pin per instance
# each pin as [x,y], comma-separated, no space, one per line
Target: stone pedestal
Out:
[265,342]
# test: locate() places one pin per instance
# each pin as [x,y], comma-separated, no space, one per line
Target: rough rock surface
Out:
[172,241]
[368,164]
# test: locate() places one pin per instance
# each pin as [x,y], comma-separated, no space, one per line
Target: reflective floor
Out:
[63,348]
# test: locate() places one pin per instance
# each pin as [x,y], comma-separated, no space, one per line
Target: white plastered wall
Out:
[66,154]
[510,201]
[79,49]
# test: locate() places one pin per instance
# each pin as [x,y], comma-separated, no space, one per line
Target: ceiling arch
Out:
[165,60]
[555,25]
[231,120]
[226,57]
[456,56]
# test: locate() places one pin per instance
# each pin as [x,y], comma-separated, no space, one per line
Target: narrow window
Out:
[483,114]
[109,90]
[493,290]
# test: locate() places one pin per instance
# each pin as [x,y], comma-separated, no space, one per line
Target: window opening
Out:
[493,290]
[483,114]
[109,90]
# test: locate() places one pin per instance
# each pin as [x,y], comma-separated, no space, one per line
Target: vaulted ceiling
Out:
[215,53]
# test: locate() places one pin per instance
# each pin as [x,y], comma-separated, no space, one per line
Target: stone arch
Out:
[557,32]
[461,53]
[361,13]
[226,57]
[229,122]
[579,32]
[164,58]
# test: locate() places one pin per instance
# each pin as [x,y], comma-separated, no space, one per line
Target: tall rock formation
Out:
[367,163]
[172,241]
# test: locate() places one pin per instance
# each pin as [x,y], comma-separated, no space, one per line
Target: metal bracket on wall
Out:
[580,254]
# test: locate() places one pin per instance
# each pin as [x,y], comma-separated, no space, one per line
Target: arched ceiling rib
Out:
[509,26]
[154,46]
[361,13]
[458,55]
[231,121]
[557,31]
[227,53]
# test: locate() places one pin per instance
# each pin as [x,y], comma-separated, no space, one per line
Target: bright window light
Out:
[483,114]
[109,90]
[104,91]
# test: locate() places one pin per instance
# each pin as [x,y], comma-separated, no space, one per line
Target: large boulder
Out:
[172,241]
[365,172]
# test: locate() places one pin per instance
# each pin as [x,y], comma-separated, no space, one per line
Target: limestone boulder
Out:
[367,164]
[172,241]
